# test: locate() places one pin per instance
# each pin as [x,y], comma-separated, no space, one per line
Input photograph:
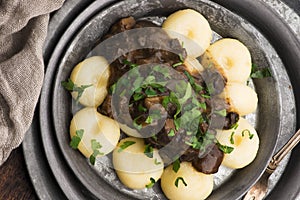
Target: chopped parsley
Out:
[222,112]
[259,72]
[249,133]
[179,63]
[234,127]
[171,133]
[136,125]
[150,92]
[112,88]
[176,165]
[180,179]
[141,108]
[76,138]
[177,124]
[130,64]
[224,148]
[195,86]
[156,162]
[151,184]
[96,146]
[148,151]
[138,96]
[205,96]
[126,144]
[231,138]
[72,87]
[195,143]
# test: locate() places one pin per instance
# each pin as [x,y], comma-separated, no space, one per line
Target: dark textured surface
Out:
[14,179]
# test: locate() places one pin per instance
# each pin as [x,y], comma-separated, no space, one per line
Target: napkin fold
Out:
[23,28]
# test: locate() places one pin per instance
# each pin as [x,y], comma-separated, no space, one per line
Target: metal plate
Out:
[56,161]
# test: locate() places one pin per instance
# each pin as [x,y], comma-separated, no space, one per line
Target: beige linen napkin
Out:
[23,28]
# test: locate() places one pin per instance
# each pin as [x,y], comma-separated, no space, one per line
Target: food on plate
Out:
[93,134]
[200,105]
[244,140]
[193,66]
[231,57]
[137,165]
[192,30]
[94,73]
[186,183]
[241,98]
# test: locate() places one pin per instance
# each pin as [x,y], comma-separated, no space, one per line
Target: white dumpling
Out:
[97,127]
[93,71]
[191,28]
[198,185]
[231,57]
[245,141]
[134,168]
[241,98]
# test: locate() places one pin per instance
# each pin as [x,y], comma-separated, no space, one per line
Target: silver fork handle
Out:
[277,158]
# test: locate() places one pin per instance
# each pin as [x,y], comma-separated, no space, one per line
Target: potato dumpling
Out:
[245,141]
[190,28]
[97,127]
[231,57]
[241,98]
[134,168]
[191,184]
[93,72]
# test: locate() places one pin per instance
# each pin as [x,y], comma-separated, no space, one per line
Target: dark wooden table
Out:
[15,183]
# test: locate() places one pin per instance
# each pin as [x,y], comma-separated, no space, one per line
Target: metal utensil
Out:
[259,189]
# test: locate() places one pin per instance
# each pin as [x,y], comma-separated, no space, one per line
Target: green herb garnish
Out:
[225,149]
[151,184]
[150,92]
[141,108]
[180,179]
[130,64]
[191,79]
[138,96]
[156,162]
[171,133]
[96,146]
[177,124]
[258,72]
[249,133]
[234,126]
[136,125]
[76,138]
[72,87]
[205,96]
[148,151]
[177,64]
[176,165]
[112,88]
[194,143]
[125,144]
[231,138]
[222,112]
